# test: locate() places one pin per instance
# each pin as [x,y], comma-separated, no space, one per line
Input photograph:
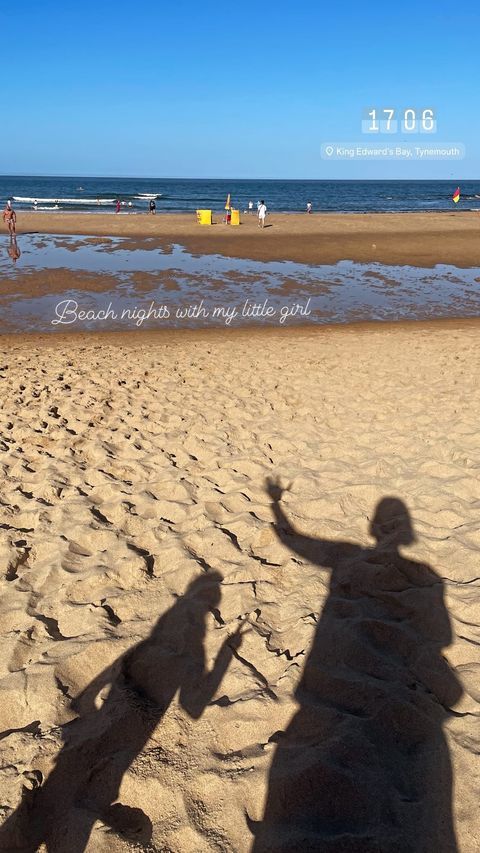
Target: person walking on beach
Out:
[153,206]
[309,206]
[117,206]
[262,212]
[250,206]
[10,217]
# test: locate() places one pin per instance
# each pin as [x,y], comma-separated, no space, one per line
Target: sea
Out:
[99,195]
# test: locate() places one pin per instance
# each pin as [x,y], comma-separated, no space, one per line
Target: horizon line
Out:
[210,178]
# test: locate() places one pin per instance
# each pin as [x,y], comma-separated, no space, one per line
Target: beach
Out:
[418,239]
[239,430]
[240,609]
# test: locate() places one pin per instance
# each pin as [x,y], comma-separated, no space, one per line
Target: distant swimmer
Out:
[309,206]
[13,250]
[10,217]
[153,206]
[262,212]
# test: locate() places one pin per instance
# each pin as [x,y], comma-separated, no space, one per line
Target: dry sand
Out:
[419,239]
[181,642]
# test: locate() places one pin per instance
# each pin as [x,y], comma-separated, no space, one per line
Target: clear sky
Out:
[230,89]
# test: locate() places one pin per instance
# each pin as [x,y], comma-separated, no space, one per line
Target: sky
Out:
[225,89]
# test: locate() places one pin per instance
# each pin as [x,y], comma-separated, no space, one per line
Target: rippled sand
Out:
[215,638]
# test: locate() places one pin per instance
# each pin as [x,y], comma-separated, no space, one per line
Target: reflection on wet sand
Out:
[13,250]
[133,275]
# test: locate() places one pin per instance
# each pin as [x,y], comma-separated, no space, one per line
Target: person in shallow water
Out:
[363,765]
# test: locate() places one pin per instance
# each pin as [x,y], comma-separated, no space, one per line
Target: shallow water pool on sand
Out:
[74,283]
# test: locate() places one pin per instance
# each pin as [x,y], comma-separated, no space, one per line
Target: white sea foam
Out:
[148,195]
[90,201]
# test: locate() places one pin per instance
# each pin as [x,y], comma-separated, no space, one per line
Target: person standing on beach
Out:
[153,206]
[10,217]
[262,212]
[117,206]
[250,206]
[309,206]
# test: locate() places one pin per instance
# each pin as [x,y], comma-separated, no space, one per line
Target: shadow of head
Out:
[205,590]
[391,525]
[131,823]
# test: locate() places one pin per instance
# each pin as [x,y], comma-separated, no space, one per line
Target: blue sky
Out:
[211,89]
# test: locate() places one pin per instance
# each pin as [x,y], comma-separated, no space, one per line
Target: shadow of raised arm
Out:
[318,551]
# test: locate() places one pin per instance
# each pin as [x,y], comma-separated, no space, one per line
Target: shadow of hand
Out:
[274,489]
[235,640]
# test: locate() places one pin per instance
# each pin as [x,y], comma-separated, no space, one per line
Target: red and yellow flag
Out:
[456,195]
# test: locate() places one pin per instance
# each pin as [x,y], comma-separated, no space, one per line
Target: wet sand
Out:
[115,282]
[217,634]
[418,239]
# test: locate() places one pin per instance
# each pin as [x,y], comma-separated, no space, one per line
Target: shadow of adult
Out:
[364,767]
[118,713]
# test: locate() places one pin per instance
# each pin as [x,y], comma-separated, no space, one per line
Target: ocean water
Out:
[172,195]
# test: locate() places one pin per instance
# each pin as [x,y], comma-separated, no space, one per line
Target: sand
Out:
[419,239]
[213,637]
[212,640]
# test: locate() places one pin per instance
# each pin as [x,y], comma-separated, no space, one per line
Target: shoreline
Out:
[405,239]
[141,337]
